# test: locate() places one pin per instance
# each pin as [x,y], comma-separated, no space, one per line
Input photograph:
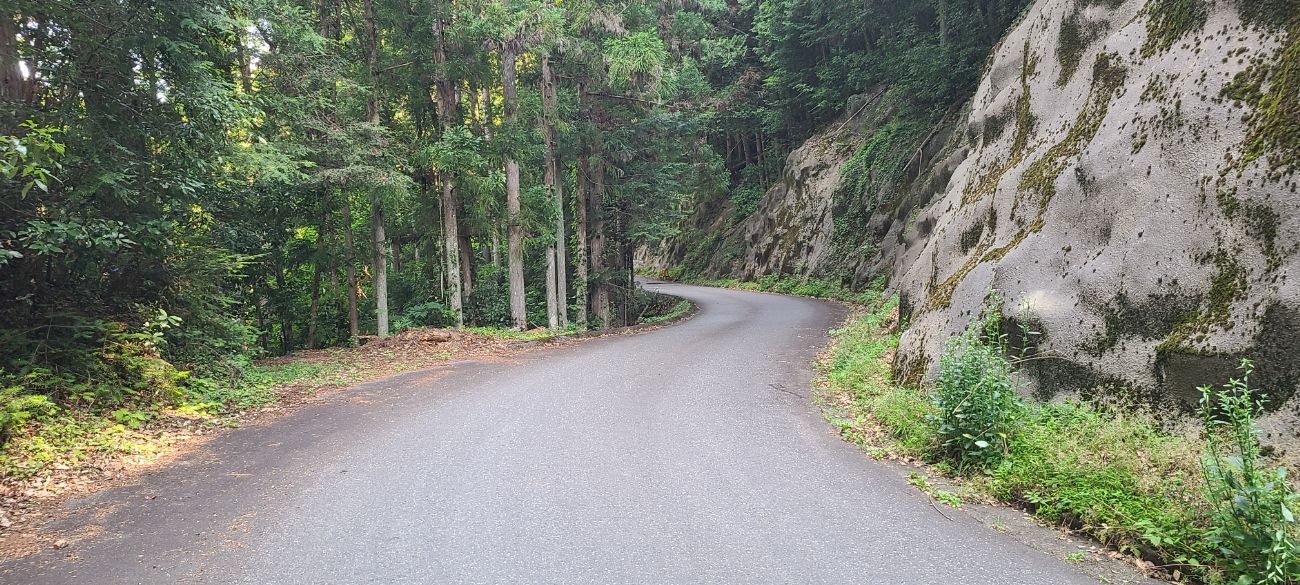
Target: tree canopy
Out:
[199,183]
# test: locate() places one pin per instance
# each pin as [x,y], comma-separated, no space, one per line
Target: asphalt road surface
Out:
[688,454]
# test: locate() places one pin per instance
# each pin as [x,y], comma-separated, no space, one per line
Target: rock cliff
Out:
[1124,177]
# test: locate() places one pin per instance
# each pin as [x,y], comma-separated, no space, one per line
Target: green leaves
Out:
[31,159]
[637,62]
[977,404]
[1254,526]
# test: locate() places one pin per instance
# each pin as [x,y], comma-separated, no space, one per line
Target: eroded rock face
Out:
[1125,177]
[1130,199]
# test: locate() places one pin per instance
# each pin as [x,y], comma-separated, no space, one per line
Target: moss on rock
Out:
[1270,87]
[1170,20]
[1075,35]
[1227,286]
[987,182]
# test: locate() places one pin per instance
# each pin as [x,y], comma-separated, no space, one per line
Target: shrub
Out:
[1254,524]
[489,304]
[426,314]
[17,407]
[975,396]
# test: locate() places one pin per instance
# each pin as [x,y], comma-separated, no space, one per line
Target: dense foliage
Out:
[197,183]
[189,184]
[785,69]
[977,400]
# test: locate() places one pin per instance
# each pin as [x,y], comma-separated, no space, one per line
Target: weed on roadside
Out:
[1115,472]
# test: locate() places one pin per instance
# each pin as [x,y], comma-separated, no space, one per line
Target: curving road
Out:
[688,454]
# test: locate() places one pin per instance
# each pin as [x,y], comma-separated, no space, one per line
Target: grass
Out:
[859,371]
[678,311]
[514,335]
[1113,471]
[75,434]
[822,288]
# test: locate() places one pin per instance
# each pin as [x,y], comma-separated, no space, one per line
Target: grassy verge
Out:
[805,287]
[1200,505]
[77,432]
[1114,472]
[538,334]
[679,310]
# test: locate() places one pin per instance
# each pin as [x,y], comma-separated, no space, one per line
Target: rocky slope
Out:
[1124,177]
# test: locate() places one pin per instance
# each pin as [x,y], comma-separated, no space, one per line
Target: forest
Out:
[1034,251]
[188,186]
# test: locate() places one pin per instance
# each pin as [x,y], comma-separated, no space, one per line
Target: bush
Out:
[1254,524]
[17,407]
[1206,508]
[427,314]
[489,304]
[975,396]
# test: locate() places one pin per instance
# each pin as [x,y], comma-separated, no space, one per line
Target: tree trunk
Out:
[553,182]
[286,316]
[11,76]
[350,253]
[515,248]
[451,240]
[314,313]
[515,230]
[321,236]
[381,269]
[372,61]
[496,249]
[580,206]
[264,331]
[552,314]
[942,17]
[446,115]
[245,64]
[600,300]
[486,96]
[466,255]
[376,202]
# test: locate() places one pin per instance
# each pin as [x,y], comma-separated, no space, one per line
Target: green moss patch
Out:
[1227,286]
[1269,89]
[987,182]
[1171,20]
[1039,179]
[1152,318]
[1075,36]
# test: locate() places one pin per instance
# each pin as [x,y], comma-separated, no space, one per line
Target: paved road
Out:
[689,454]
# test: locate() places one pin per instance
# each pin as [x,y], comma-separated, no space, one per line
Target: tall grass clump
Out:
[977,405]
[860,368]
[1253,506]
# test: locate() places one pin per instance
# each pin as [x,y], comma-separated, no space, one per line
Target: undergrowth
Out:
[680,309]
[41,434]
[822,288]
[1202,506]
